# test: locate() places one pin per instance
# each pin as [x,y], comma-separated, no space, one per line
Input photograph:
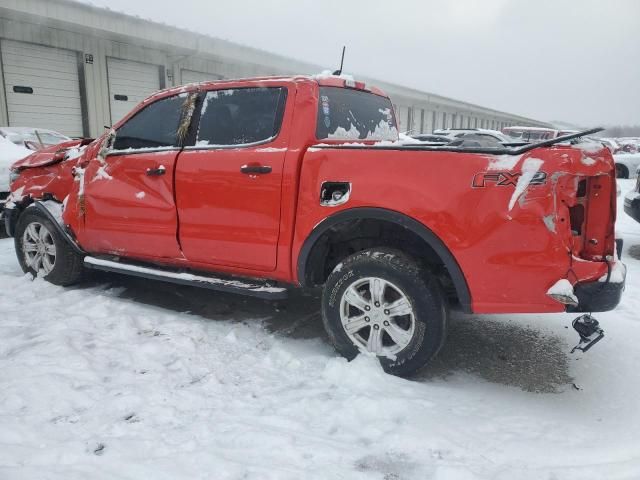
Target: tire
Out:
[404,342]
[36,235]
[621,171]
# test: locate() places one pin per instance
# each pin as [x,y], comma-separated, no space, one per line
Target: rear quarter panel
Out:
[510,256]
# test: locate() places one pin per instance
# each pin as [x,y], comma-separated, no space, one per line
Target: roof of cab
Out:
[343,81]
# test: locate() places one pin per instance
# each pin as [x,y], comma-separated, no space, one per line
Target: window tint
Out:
[345,114]
[155,126]
[241,116]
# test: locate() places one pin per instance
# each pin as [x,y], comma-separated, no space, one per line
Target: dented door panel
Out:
[128,211]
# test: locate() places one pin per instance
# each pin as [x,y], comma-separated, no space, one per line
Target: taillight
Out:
[599,218]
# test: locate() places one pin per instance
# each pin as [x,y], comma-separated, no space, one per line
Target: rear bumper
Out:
[597,296]
[601,296]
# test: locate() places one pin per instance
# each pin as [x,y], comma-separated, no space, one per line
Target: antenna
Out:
[339,72]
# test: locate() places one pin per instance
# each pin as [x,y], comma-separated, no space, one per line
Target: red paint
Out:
[206,214]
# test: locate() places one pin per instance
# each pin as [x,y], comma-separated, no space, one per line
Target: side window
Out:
[155,126]
[241,116]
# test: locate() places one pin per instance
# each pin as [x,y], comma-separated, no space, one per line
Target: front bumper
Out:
[632,205]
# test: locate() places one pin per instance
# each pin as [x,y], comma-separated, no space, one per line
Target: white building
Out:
[76,68]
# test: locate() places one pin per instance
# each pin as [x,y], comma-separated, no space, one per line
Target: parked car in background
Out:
[431,138]
[562,133]
[632,200]
[530,134]
[626,164]
[477,140]
[629,144]
[33,138]
[610,143]
[454,133]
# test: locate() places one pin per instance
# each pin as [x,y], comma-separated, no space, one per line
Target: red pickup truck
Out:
[261,185]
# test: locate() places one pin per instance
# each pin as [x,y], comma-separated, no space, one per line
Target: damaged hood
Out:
[54,154]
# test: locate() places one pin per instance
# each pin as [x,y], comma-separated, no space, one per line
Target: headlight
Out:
[13,175]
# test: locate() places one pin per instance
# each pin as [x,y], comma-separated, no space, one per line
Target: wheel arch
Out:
[624,169]
[313,244]
[40,206]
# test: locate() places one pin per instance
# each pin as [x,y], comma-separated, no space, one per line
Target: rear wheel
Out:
[42,251]
[381,303]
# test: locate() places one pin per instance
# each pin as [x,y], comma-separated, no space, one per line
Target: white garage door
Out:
[191,76]
[42,87]
[129,84]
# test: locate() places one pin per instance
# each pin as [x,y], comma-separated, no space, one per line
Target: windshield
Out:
[345,114]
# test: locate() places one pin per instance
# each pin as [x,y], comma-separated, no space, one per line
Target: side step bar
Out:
[251,288]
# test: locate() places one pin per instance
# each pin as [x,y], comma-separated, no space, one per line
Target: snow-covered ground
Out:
[128,379]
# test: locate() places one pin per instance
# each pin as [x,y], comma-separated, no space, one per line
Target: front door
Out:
[129,194]
[228,184]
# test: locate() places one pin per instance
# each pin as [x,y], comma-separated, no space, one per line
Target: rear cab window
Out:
[347,114]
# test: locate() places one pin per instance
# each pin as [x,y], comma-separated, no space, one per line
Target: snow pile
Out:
[116,379]
[9,153]
[629,160]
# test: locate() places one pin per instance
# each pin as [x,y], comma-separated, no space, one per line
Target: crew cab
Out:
[258,186]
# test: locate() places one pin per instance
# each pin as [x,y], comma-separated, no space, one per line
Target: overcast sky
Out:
[571,60]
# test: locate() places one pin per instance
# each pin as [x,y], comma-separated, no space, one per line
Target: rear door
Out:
[129,195]
[228,184]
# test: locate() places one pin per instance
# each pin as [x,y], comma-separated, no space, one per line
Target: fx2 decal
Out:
[505,179]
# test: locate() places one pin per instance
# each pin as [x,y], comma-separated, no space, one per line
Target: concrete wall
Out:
[103,33]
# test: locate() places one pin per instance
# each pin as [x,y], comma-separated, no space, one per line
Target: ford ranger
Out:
[260,185]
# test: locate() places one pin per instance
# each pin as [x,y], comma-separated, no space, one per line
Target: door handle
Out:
[156,172]
[255,169]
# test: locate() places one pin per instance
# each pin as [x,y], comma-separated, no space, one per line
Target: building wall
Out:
[102,33]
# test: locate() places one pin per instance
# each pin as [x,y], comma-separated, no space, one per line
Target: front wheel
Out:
[42,251]
[380,302]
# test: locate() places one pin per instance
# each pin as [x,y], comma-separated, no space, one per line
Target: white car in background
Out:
[627,164]
[32,138]
[456,133]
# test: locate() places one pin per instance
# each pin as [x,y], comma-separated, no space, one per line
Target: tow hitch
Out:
[589,330]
